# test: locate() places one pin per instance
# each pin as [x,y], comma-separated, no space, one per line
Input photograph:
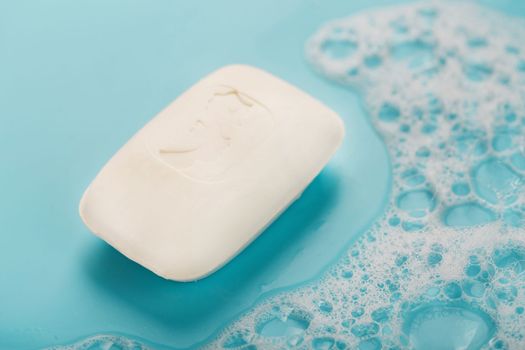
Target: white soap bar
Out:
[209,173]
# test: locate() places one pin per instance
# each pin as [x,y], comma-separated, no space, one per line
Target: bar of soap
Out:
[202,179]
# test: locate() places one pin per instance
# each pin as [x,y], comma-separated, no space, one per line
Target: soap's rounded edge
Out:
[186,278]
[117,246]
[143,260]
[82,208]
[186,269]
[340,128]
[174,275]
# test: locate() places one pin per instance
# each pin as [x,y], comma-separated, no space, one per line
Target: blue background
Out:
[77,79]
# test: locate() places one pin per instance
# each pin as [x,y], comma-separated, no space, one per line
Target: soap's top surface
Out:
[202,179]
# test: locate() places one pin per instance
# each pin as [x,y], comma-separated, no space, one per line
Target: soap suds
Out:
[103,342]
[444,84]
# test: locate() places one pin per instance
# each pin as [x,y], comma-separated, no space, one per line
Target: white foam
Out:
[103,342]
[444,84]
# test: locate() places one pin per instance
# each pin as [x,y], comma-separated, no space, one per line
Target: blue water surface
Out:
[77,79]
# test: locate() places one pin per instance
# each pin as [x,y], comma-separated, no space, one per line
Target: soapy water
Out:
[105,342]
[444,84]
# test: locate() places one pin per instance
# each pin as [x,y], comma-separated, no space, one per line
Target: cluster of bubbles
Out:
[444,268]
[444,84]
[103,342]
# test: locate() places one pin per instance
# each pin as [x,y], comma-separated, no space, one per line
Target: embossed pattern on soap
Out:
[203,145]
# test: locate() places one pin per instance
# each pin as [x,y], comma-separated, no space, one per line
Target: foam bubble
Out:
[444,326]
